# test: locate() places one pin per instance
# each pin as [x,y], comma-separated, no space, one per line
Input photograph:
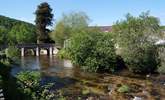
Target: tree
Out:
[136,38]
[3,34]
[43,19]
[16,31]
[68,25]
[22,33]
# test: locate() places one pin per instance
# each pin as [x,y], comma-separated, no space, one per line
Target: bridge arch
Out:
[37,48]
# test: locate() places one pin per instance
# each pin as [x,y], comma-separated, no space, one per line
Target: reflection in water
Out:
[52,70]
[30,63]
[67,63]
[63,74]
[46,65]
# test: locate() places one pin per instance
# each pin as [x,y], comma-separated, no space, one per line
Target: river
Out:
[75,82]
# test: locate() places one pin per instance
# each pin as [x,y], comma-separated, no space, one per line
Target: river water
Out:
[44,64]
[74,81]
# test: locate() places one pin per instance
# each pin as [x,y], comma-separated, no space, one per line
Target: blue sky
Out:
[101,12]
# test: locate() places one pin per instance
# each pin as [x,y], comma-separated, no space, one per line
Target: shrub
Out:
[29,83]
[12,52]
[5,70]
[161,68]
[143,59]
[30,78]
[94,52]
[63,54]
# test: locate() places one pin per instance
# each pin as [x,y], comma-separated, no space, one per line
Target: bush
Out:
[143,59]
[63,54]
[29,83]
[5,69]
[12,52]
[94,52]
[30,78]
[161,68]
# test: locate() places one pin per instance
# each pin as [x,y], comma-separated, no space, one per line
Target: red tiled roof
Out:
[104,28]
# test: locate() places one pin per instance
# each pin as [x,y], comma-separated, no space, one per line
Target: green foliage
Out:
[22,33]
[136,37]
[161,68]
[29,83]
[124,89]
[30,78]
[59,34]
[145,59]
[13,31]
[4,69]
[94,52]
[43,19]
[63,54]
[12,52]
[3,32]
[5,62]
[68,25]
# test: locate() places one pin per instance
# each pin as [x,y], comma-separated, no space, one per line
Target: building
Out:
[103,28]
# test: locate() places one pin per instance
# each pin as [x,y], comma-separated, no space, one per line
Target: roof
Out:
[103,28]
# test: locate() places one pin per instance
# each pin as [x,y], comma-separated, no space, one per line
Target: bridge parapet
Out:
[36,47]
[42,45]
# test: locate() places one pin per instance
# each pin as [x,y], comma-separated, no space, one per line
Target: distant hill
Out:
[13,31]
[162,27]
[8,23]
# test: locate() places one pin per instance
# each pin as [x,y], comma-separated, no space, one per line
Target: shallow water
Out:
[44,64]
[73,81]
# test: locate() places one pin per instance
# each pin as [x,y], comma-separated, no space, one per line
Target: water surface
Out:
[74,81]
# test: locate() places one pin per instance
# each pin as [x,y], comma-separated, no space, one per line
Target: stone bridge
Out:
[35,47]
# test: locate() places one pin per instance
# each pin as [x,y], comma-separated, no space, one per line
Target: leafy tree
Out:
[22,33]
[60,33]
[94,52]
[136,38]
[68,25]
[3,33]
[43,19]
[16,31]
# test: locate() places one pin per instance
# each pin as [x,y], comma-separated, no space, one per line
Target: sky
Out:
[101,12]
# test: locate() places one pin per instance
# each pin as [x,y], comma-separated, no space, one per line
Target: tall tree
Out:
[136,37]
[68,25]
[43,19]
